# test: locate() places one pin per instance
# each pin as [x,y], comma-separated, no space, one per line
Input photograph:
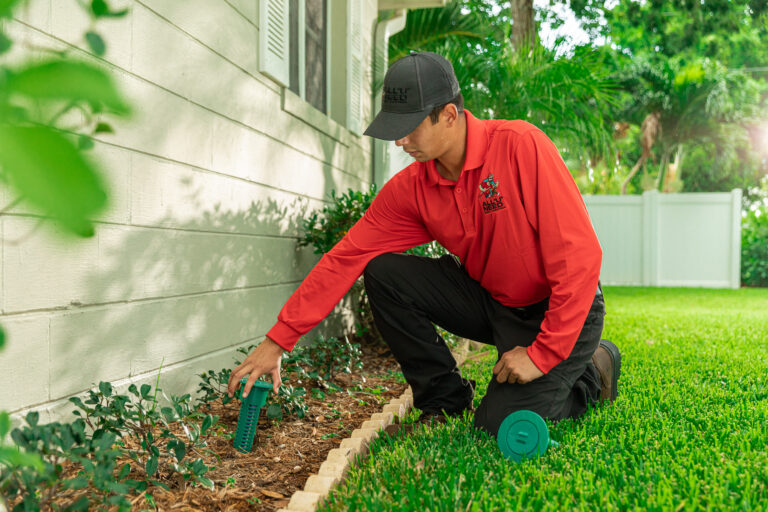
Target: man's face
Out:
[426,142]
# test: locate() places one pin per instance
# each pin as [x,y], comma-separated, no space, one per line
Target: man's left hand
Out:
[516,367]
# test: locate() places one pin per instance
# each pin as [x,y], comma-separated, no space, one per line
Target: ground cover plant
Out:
[687,431]
[134,452]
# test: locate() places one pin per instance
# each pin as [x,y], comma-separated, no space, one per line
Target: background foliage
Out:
[664,95]
[700,66]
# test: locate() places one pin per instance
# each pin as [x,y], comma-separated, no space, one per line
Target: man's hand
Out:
[265,359]
[516,366]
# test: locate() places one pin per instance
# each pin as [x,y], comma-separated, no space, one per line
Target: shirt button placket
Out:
[465,220]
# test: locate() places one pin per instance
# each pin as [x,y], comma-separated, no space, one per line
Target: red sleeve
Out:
[390,225]
[570,250]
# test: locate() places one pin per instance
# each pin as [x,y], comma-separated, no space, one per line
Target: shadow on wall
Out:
[184,290]
[182,298]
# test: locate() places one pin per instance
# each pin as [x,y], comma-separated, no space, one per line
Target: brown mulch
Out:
[284,453]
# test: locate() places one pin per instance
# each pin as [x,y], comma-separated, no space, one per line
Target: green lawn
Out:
[689,430]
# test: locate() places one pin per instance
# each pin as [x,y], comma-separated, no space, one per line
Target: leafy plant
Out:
[145,431]
[754,239]
[289,401]
[329,356]
[41,480]
[323,229]
[41,159]
[318,362]
[214,386]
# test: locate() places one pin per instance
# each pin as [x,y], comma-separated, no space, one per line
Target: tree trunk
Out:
[663,169]
[673,170]
[524,34]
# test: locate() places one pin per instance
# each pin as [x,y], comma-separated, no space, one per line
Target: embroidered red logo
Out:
[492,198]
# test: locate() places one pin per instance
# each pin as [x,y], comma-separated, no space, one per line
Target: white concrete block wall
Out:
[209,180]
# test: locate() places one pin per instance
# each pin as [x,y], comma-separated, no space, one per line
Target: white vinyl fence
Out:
[691,239]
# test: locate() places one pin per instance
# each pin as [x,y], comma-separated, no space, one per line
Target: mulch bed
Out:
[284,453]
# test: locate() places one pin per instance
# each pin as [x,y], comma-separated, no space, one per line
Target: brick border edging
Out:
[333,471]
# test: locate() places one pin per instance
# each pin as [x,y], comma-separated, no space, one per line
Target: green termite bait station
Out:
[523,434]
[248,420]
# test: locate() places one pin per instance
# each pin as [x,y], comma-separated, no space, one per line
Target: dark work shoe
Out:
[607,361]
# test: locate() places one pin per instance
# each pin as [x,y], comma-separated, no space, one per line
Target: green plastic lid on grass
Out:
[250,406]
[523,434]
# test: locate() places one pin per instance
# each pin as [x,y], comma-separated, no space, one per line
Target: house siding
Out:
[209,180]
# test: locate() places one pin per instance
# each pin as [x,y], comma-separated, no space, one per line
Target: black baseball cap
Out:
[413,87]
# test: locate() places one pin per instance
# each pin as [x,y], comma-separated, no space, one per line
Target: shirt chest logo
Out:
[492,200]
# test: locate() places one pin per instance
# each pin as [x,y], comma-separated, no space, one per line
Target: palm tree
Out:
[693,103]
[570,97]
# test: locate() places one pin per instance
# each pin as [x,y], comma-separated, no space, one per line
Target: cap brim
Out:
[393,126]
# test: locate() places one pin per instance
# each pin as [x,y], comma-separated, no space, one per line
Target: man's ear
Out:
[450,114]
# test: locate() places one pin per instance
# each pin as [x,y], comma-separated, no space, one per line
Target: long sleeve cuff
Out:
[544,358]
[284,335]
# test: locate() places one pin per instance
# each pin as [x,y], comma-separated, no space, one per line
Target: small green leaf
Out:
[6,7]
[116,14]
[99,7]
[168,414]
[118,487]
[207,422]
[79,482]
[96,42]
[205,482]
[2,338]
[159,484]
[52,175]
[5,425]
[120,501]
[12,456]
[32,418]
[84,143]
[80,505]
[124,472]
[178,448]
[68,80]
[145,390]
[5,43]
[151,466]
[103,128]
[105,388]
[274,412]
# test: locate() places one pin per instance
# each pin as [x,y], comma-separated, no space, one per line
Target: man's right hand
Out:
[265,359]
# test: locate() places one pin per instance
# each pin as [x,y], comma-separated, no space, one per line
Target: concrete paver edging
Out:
[333,471]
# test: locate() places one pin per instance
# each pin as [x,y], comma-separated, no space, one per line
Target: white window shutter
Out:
[274,48]
[355,67]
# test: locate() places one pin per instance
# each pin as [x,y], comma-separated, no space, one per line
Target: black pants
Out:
[409,293]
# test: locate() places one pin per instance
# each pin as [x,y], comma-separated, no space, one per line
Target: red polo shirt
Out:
[515,218]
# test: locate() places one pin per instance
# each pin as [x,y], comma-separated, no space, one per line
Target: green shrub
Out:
[110,426]
[327,357]
[325,228]
[43,485]
[145,431]
[754,247]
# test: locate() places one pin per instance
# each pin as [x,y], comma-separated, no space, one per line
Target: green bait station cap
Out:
[523,434]
[249,413]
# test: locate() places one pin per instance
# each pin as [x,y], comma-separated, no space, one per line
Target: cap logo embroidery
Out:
[395,94]
[492,198]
